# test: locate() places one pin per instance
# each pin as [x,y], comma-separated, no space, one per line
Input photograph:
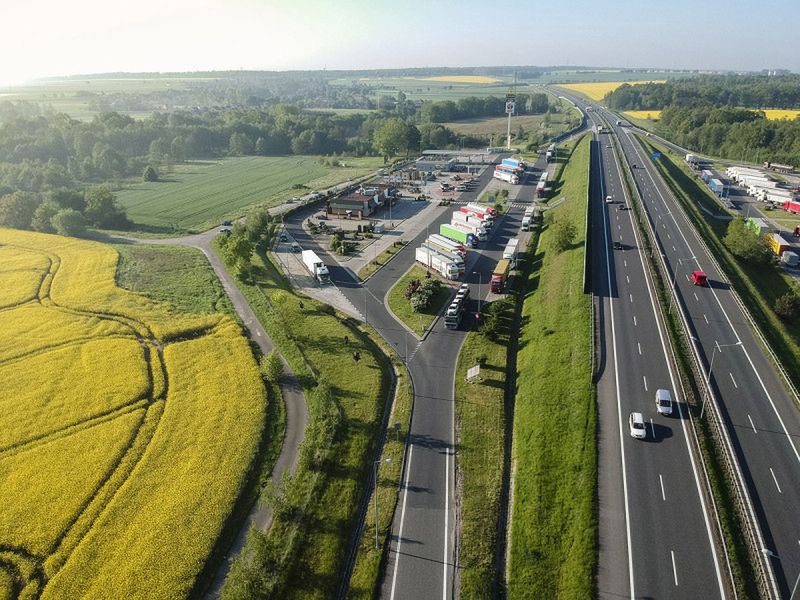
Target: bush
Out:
[271,366]
[411,288]
[746,244]
[564,233]
[150,173]
[787,307]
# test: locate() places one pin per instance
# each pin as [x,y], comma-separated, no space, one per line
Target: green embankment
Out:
[554,462]
[314,513]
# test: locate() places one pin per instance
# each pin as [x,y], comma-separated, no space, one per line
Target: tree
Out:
[240,144]
[564,233]
[150,173]
[16,210]
[43,216]
[69,221]
[237,251]
[271,366]
[158,151]
[257,224]
[67,198]
[413,139]
[102,209]
[177,149]
[787,307]
[745,243]
[391,138]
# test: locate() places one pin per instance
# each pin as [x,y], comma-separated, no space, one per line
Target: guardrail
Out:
[753,534]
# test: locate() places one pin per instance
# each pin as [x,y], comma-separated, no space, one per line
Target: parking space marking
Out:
[752,424]
[706,318]
[775,479]
[733,380]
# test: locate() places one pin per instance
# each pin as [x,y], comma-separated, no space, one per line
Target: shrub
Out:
[564,233]
[787,307]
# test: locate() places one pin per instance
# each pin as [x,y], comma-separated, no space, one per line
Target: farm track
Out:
[42,567]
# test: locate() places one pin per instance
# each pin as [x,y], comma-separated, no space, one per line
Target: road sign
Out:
[510,107]
[473,372]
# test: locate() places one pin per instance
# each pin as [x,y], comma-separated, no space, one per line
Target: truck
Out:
[706,175]
[447,244]
[436,262]
[453,257]
[481,208]
[458,235]
[315,266]
[692,160]
[792,206]
[511,178]
[759,226]
[457,308]
[779,167]
[513,163]
[499,276]
[541,187]
[790,258]
[510,251]
[778,243]
[475,229]
[479,213]
[527,219]
[462,217]
[717,187]
[550,155]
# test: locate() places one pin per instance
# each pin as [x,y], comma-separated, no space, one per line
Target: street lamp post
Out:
[675,278]
[717,348]
[375,493]
[771,554]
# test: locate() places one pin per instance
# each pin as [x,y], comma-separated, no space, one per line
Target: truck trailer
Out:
[471,227]
[483,218]
[315,266]
[513,163]
[485,209]
[448,244]
[462,217]
[541,187]
[457,308]
[511,178]
[499,276]
[437,262]
[458,235]
[717,187]
[778,243]
[453,257]
[792,206]
[527,219]
[510,251]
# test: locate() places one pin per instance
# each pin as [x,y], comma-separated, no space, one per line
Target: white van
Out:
[663,402]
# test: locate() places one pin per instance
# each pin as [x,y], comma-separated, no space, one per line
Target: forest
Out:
[719,115]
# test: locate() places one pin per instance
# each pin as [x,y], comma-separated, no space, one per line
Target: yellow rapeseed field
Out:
[126,430]
[598,90]
[462,79]
[652,115]
[776,114]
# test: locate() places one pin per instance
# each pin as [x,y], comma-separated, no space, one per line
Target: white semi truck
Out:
[316,267]
[475,229]
[437,262]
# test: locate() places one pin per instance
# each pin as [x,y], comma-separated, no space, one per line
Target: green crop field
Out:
[200,194]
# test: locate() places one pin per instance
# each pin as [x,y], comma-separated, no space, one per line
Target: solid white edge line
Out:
[402,522]
[680,411]
[616,382]
[446,519]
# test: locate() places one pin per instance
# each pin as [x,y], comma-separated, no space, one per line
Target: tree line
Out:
[718,115]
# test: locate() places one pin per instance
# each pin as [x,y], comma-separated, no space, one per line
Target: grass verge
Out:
[372,266]
[176,275]
[366,574]
[418,322]
[553,528]
[758,286]
[302,554]
[481,425]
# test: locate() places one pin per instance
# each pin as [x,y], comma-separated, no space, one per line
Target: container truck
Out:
[453,257]
[507,177]
[717,187]
[447,244]
[457,308]
[458,235]
[778,244]
[477,230]
[486,209]
[510,252]
[790,258]
[499,276]
[540,189]
[550,155]
[436,262]
[779,196]
[484,219]
[706,175]
[779,167]
[513,163]
[792,206]
[527,219]
[461,217]
[692,160]
[315,266]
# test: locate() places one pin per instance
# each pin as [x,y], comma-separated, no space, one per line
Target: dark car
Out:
[226,223]
[617,245]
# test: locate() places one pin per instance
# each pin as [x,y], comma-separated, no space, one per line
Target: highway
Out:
[422,556]
[760,413]
[655,529]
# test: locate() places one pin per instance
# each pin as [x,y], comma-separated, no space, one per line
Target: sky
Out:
[46,38]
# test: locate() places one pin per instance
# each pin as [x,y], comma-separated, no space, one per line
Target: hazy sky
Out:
[58,37]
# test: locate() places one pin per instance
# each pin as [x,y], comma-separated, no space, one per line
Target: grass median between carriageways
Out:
[758,286]
[418,322]
[314,510]
[381,260]
[554,461]
[481,427]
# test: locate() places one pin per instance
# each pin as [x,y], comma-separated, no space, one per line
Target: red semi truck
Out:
[499,276]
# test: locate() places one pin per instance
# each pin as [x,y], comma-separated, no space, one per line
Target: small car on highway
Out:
[637,427]
[617,245]
[699,278]
[609,200]
[663,402]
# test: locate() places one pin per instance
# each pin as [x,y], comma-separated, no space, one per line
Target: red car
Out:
[699,278]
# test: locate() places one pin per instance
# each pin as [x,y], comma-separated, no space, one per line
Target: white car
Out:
[638,429]
[663,402]
[609,200]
